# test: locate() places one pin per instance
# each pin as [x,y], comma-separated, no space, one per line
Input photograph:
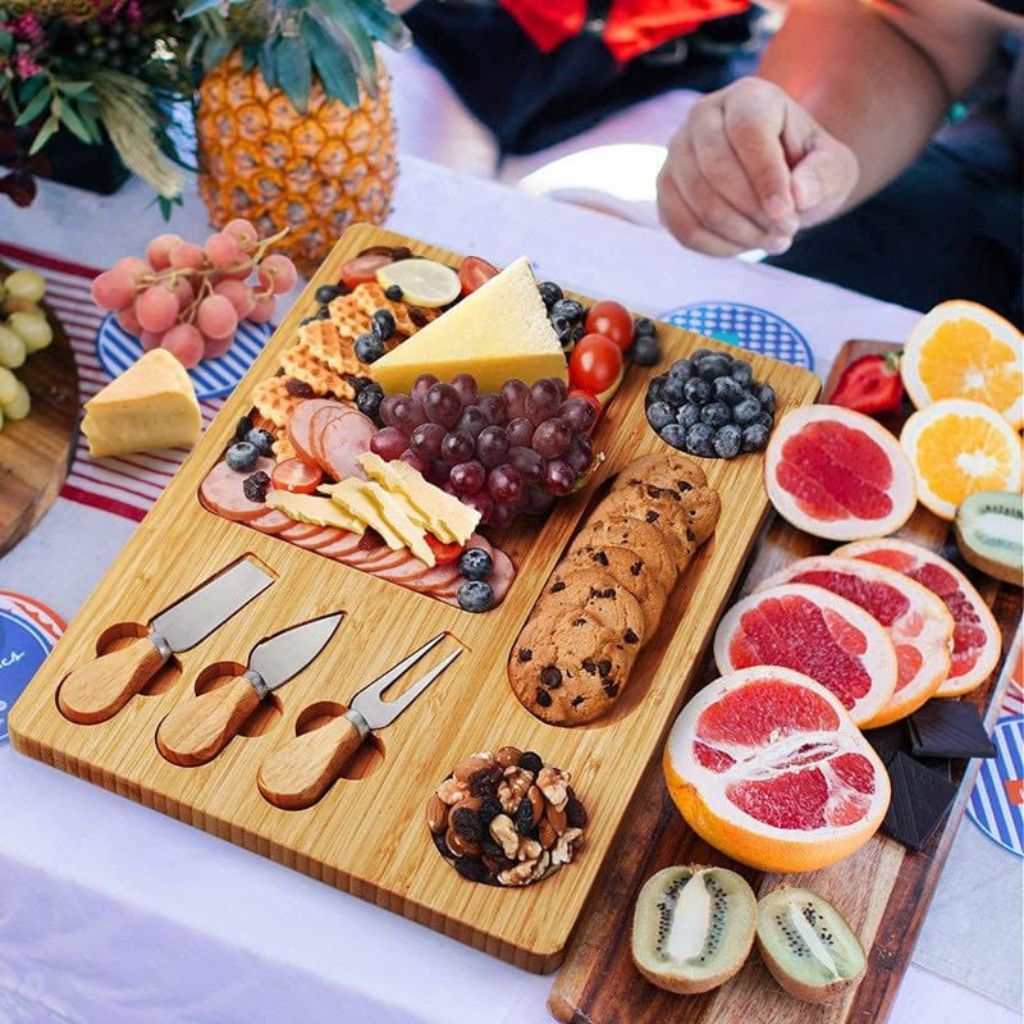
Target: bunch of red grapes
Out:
[188,298]
[502,453]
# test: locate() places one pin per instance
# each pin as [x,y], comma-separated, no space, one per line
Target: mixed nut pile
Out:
[506,818]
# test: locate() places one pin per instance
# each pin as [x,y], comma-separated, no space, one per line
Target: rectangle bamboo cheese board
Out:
[367,835]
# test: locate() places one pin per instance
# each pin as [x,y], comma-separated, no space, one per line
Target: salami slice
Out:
[502,575]
[342,442]
[301,421]
[387,559]
[222,493]
[370,547]
[314,541]
[318,424]
[298,532]
[271,522]
[440,578]
[342,547]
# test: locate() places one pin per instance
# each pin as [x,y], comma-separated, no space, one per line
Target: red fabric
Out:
[634,26]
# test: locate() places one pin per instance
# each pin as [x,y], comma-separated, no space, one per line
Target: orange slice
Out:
[963,350]
[958,447]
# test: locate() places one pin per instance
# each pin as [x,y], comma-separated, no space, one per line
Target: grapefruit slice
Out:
[813,631]
[838,474]
[976,637]
[767,766]
[918,622]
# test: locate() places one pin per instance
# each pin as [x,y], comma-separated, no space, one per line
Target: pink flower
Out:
[25,66]
[26,26]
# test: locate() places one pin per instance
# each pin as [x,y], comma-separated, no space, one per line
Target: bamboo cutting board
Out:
[883,889]
[368,835]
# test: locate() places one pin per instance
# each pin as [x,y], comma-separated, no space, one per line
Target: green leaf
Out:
[345,22]
[49,128]
[32,86]
[333,65]
[35,107]
[383,24]
[72,88]
[250,55]
[6,41]
[293,71]
[215,50]
[267,69]
[198,6]
[69,117]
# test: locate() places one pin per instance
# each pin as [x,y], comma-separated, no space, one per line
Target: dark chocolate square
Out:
[889,740]
[921,799]
[949,728]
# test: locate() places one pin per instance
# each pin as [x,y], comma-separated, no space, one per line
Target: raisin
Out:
[525,654]
[524,817]
[255,487]
[485,780]
[575,813]
[544,698]
[474,870]
[243,428]
[417,316]
[531,762]
[442,846]
[490,809]
[551,677]
[495,865]
[298,388]
[467,823]
[489,848]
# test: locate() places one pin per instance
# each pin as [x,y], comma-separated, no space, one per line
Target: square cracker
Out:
[299,362]
[274,402]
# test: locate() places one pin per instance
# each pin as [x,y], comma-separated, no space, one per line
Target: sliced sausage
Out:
[342,442]
[318,424]
[502,575]
[299,424]
[222,493]
[298,532]
[271,522]
[387,560]
[342,547]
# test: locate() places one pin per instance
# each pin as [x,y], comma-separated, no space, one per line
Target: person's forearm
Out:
[877,77]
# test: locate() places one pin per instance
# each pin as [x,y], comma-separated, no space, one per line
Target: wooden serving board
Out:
[368,835]
[883,889]
[35,452]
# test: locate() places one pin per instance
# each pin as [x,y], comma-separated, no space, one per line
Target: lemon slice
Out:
[423,282]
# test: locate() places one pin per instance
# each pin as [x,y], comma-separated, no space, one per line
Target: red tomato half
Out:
[363,269]
[473,272]
[296,475]
[595,363]
[444,553]
[611,319]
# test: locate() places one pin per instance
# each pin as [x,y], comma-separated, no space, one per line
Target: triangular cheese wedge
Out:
[498,332]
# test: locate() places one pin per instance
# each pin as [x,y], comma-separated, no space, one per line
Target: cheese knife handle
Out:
[99,689]
[298,774]
[197,730]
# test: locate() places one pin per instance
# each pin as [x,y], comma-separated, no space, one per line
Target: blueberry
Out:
[727,441]
[549,292]
[645,350]
[688,414]
[674,435]
[261,440]
[656,389]
[383,323]
[716,414]
[765,394]
[644,326]
[728,390]
[660,414]
[746,411]
[700,353]
[681,368]
[368,348]
[697,390]
[569,308]
[700,440]
[676,391]
[327,293]
[577,332]
[243,427]
[255,487]
[741,373]
[713,366]
[563,326]
[323,313]
[394,293]
[755,437]
[476,596]
[242,456]
[765,419]
[368,400]
[476,564]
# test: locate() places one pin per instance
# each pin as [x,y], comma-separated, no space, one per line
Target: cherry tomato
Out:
[595,363]
[611,319]
[363,269]
[444,553]
[592,399]
[473,272]
[296,475]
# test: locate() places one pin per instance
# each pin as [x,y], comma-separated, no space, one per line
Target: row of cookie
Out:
[606,597]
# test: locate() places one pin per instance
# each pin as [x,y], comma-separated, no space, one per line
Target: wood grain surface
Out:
[883,889]
[367,834]
[36,452]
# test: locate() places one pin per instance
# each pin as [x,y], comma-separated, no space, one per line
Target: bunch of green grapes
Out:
[24,329]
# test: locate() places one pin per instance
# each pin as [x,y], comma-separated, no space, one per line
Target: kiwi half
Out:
[990,533]
[693,927]
[807,945]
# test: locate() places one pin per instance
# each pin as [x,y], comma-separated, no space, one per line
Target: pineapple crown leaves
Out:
[291,41]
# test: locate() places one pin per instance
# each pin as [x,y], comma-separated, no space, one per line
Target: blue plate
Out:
[116,350]
[992,806]
[751,327]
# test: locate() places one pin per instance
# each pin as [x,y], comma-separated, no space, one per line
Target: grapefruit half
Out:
[838,474]
[813,631]
[976,638]
[918,622]
[767,766]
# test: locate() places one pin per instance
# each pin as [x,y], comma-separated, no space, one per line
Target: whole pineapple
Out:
[311,152]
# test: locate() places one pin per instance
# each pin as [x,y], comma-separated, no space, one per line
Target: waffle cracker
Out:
[370,297]
[283,448]
[329,345]
[274,402]
[299,362]
[347,317]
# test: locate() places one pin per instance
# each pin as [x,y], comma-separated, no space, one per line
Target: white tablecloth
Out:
[113,914]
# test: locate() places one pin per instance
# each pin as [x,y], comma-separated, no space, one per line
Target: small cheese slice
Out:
[498,332]
[351,495]
[393,510]
[151,405]
[436,511]
[308,508]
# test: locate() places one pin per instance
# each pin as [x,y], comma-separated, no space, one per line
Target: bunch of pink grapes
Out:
[188,298]
[503,453]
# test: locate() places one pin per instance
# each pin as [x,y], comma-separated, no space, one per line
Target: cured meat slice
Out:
[369,547]
[300,423]
[438,579]
[318,424]
[342,547]
[271,522]
[342,442]
[503,574]
[298,532]
[387,559]
[222,492]
[323,535]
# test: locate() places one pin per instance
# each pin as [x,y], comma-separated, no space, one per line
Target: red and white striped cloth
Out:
[128,485]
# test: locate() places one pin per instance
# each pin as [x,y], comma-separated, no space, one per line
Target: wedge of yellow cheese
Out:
[498,332]
[151,405]
[394,512]
[434,510]
[308,508]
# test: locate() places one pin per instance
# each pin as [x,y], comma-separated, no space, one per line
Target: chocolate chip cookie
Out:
[661,469]
[636,534]
[598,593]
[657,507]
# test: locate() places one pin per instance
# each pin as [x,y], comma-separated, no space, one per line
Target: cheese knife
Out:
[199,729]
[99,689]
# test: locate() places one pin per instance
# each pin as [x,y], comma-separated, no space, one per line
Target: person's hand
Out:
[748,169]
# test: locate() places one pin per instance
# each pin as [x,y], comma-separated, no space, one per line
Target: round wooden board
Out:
[35,452]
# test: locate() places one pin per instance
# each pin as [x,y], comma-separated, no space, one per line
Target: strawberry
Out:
[870,384]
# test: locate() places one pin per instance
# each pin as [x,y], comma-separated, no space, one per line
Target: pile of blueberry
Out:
[476,594]
[250,443]
[369,347]
[710,405]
